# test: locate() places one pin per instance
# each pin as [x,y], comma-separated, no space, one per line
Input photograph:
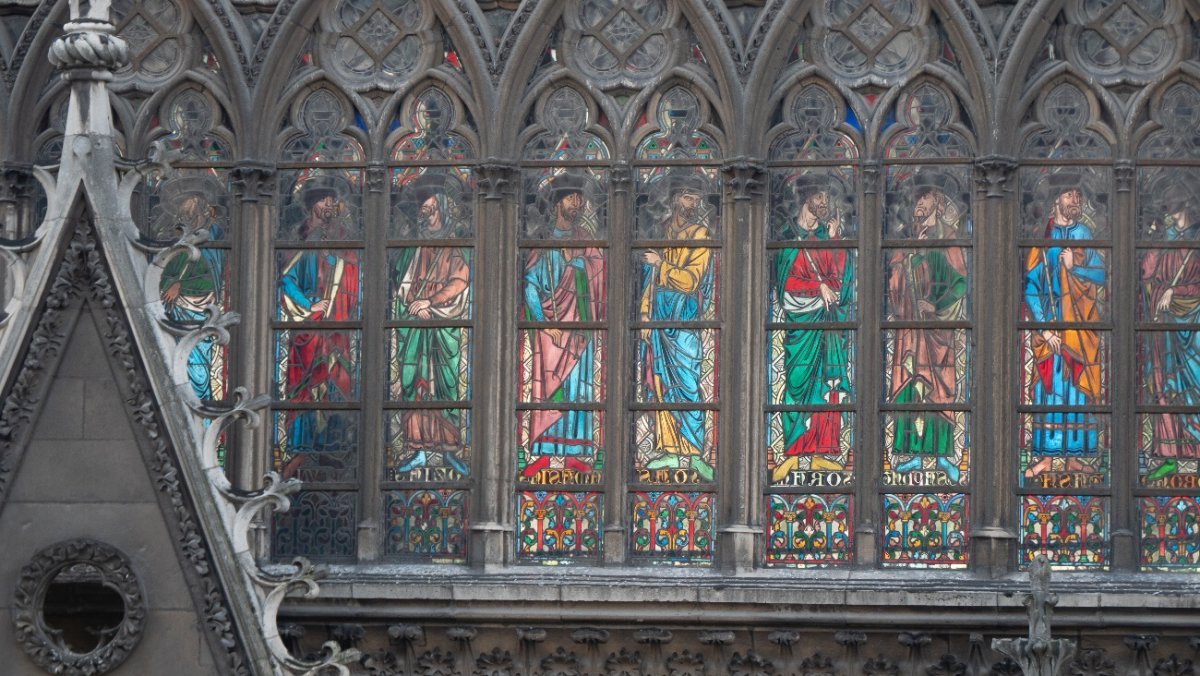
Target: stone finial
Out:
[1039,654]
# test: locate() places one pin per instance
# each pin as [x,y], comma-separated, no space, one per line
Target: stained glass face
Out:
[810,530]
[1168,204]
[432,203]
[1170,533]
[426,525]
[193,202]
[929,202]
[925,530]
[320,525]
[1072,531]
[1071,203]
[320,206]
[428,444]
[318,285]
[1064,450]
[673,527]
[810,448]
[813,206]
[430,283]
[558,526]
[565,204]
[678,204]
[315,445]
[317,365]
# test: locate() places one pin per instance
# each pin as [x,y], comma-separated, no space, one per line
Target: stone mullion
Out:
[868,459]
[740,462]
[493,376]
[618,421]
[252,296]
[372,443]
[992,516]
[1122,373]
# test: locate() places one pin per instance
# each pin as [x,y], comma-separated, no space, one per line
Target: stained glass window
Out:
[562,317]
[927,316]
[319,263]
[1168,364]
[1064,337]
[429,323]
[676,309]
[812,316]
[192,204]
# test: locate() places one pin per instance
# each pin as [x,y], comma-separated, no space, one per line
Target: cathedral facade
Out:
[599,336]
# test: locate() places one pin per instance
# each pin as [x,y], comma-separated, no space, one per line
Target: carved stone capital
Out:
[872,176]
[994,174]
[253,181]
[498,179]
[746,176]
[376,178]
[1123,174]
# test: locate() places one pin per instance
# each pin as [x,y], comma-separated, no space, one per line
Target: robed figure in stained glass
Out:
[431,282]
[814,286]
[319,286]
[1171,283]
[187,287]
[563,284]
[677,286]
[928,285]
[1063,283]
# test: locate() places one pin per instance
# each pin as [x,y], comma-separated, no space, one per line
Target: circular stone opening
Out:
[80,611]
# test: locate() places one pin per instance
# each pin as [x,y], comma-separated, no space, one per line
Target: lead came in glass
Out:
[809,530]
[558,526]
[1072,531]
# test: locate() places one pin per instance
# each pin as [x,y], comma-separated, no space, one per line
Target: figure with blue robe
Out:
[1063,284]
[677,286]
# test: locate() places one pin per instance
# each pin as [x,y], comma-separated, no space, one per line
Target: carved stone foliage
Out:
[1124,40]
[80,559]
